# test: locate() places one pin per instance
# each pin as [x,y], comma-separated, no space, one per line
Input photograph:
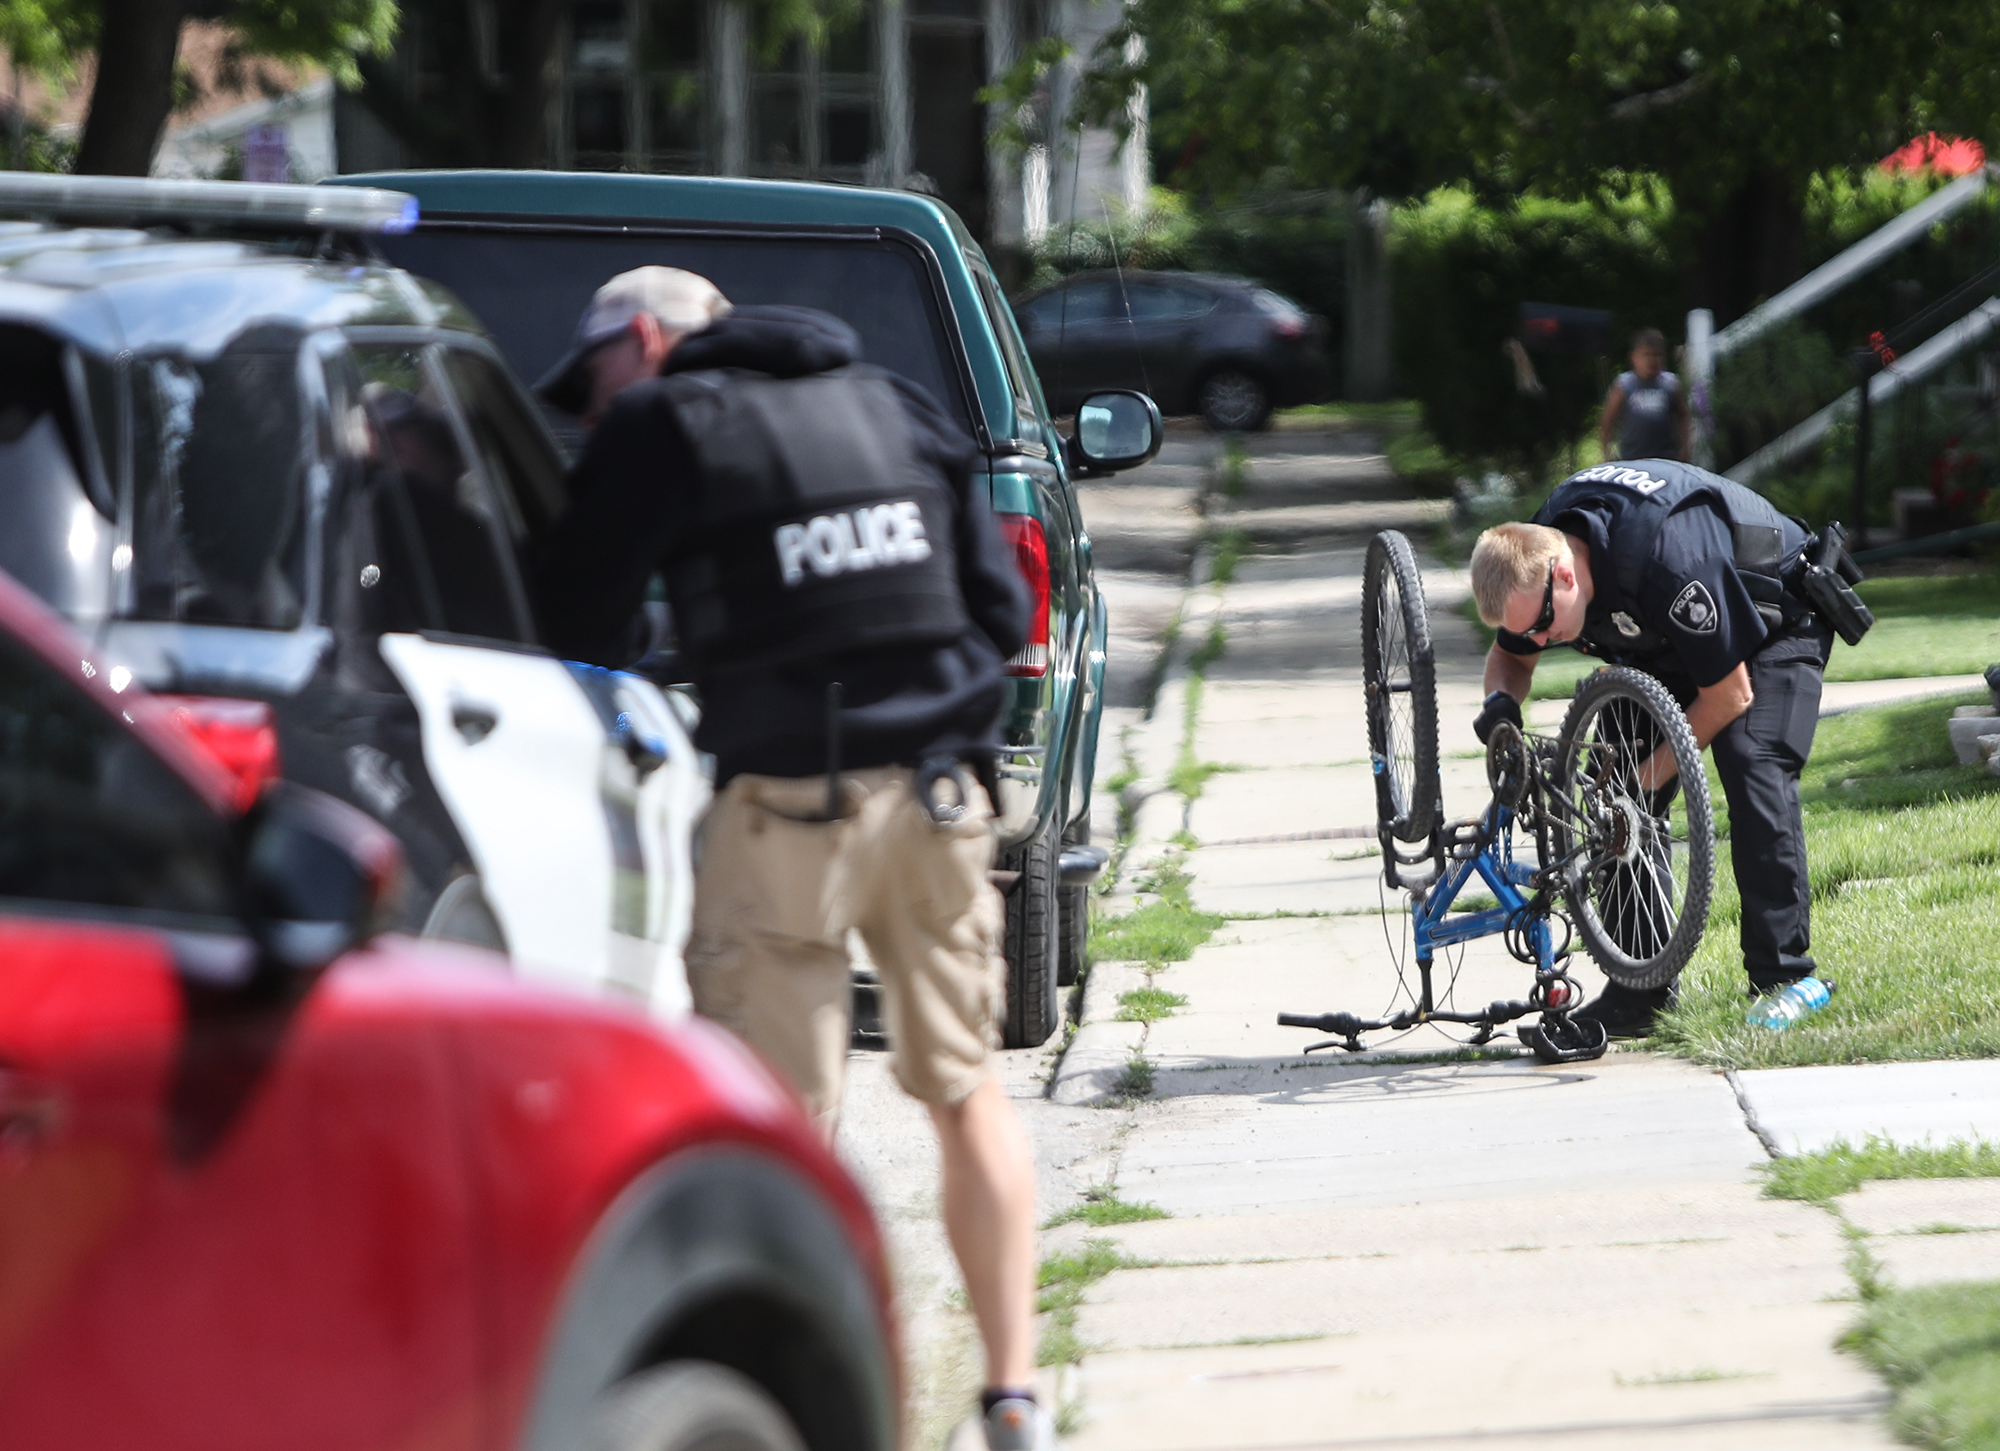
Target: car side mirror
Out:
[319,877]
[1115,430]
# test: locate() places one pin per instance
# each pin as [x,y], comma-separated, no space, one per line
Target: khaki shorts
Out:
[775,897]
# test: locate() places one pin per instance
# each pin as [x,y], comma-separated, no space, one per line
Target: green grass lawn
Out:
[1904,844]
[1938,1346]
[1945,624]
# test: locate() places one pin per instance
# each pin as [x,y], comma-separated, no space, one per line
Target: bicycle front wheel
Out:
[1399,678]
[1638,863]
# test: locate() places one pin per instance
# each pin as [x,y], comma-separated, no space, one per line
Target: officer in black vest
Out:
[1694,579]
[844,604]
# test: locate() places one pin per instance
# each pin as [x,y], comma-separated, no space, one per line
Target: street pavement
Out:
[1405,1248]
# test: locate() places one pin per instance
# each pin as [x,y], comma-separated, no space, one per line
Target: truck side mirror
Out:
[1115,430]
[319,877]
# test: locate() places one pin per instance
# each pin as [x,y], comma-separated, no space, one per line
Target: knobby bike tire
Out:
[1399,678]
[1639,911]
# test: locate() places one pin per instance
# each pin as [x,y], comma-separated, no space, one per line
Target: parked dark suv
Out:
[526,250]
[1221,347]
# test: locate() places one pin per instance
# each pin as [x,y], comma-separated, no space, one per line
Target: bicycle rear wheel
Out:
[1639,865]
[1399,678]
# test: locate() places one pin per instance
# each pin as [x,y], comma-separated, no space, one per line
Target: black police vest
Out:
[818,528]
[1637,499]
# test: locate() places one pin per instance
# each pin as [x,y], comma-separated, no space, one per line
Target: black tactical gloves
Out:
[1499,706]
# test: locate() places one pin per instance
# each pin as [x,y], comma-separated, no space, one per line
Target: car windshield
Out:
[529,287]
[218,457]
[219,463]
[57,515]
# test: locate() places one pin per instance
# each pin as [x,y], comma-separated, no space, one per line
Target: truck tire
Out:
[1033,922]
[1073,919]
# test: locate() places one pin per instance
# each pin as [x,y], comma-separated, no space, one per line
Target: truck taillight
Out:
[241,736]
[1031,557]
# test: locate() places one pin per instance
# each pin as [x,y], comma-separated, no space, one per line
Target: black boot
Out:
[1628,1012]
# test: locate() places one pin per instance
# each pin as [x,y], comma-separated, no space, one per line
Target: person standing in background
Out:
[1646,406]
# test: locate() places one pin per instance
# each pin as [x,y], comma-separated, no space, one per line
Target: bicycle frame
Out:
[1481,848]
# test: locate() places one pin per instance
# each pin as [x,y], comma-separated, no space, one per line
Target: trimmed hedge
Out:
[1461,272]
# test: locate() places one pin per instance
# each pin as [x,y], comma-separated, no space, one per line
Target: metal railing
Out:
[1921,405]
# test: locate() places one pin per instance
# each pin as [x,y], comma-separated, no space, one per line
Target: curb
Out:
[1093,1064]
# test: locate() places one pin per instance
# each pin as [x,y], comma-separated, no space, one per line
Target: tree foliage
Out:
[135,42]
[1734,106]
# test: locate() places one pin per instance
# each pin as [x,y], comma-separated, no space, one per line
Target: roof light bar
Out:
[140,200]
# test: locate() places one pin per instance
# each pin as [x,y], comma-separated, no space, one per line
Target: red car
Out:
[269,1180]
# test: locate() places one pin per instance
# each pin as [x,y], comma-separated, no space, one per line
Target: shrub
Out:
[1461,273]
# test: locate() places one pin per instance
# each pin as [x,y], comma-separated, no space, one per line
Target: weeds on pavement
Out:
[1060,1283]
[1235,467]
[1841,1168]
[1166,929]
[1102,1207]
[1190,774]
[1148,1005]
[1134,1083]
[1230,547]
[1699,1375]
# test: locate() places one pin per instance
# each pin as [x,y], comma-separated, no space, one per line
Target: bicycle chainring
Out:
[1507,765]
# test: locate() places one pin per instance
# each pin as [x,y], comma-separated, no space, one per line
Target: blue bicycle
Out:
[1629,854]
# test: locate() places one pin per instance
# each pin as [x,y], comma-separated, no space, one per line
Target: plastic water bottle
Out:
[1782,1007]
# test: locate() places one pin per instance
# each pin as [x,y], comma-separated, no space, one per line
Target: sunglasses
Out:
[1547,618]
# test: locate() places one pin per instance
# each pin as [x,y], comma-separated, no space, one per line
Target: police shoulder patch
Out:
[1694,609]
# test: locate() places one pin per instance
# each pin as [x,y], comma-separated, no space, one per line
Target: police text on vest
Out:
[870,537]
[1637,479]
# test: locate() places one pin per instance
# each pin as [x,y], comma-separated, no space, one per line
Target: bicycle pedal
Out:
[1464,840]
[1558,1038]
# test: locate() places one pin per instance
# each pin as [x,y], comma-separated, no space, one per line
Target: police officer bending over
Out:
[1697,581]
[836,582]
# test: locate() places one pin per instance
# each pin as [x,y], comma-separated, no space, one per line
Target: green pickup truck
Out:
[526,249]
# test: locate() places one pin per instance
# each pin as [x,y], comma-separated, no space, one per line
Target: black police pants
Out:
[1759,756]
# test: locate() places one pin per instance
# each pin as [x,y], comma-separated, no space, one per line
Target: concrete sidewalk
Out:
[1407,1251]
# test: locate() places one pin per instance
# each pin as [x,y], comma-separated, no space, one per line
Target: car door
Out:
[229,1218]
[1167,318]
[511,744]
[1083,341]
[650,779]
[1158,327]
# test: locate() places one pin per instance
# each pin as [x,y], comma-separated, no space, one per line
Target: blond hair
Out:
[1512,559]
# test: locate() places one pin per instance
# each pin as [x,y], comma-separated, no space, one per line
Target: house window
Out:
[671,52]
[634,97]
[814,109]
[600,57]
